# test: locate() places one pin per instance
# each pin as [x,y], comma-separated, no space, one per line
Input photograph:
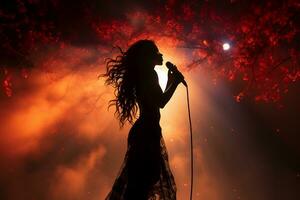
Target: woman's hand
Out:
[175,77]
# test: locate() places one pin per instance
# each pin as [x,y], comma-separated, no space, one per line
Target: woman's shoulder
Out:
[148,82]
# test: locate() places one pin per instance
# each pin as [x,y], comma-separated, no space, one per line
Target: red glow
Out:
[259,39]
[7,83]
[54,109]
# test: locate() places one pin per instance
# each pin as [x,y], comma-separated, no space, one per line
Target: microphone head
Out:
[173,68]
[169,65]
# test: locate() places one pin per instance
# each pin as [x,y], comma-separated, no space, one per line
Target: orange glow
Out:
[59,140]
[63,121]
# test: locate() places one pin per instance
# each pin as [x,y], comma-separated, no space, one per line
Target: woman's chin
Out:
[160,63]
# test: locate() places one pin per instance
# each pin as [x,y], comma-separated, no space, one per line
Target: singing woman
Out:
[145,173]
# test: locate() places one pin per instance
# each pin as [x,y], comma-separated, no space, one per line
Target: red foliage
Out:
[7,84]
[264,37]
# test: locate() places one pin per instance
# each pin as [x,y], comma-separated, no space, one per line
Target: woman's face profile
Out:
[146,53]
[158,57]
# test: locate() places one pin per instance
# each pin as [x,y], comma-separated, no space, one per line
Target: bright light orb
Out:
[226,46]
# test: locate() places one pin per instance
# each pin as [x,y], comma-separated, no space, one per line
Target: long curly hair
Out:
[123,74]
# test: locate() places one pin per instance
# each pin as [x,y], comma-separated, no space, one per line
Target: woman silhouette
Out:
[145,173]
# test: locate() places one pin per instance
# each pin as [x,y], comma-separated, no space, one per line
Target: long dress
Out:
[145,173]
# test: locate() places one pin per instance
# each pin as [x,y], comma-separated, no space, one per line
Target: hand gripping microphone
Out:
[173,68]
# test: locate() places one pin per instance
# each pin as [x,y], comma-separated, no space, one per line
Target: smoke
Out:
[59,140]
[53,141]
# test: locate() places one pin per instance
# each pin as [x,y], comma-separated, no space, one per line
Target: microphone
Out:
[173,68]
